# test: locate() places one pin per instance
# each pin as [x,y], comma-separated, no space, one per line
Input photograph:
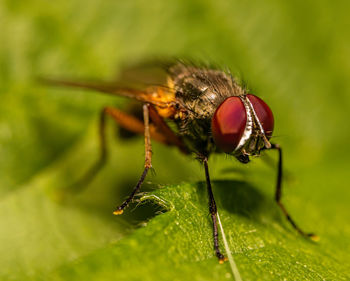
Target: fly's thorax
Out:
[200,90]
[200,103]
[193,118]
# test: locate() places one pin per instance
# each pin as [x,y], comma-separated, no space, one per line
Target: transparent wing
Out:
[142,84]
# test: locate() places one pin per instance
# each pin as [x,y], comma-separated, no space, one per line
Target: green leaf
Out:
[179,242]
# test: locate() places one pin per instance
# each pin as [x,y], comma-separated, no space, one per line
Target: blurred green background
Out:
[293,54]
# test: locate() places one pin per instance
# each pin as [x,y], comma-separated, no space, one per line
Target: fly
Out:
[210,112]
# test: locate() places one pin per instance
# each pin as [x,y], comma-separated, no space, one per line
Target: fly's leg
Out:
[213,213]
[119,117]
[158,131]
[124,120]
[148,161]
[278,196]
[92,172]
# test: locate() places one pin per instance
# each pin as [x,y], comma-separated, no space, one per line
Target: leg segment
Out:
[126,121]
[278,195]
[148,161]
[213,210]
[92,172]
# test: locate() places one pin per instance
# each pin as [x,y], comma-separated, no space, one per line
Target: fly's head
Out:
[242,126]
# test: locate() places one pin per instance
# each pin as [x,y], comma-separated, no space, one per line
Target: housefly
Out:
[201,111]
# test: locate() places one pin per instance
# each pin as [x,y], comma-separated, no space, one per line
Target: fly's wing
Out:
[143,74]
[139,83]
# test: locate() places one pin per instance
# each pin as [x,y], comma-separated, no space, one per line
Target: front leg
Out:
[278,196]
[213,213]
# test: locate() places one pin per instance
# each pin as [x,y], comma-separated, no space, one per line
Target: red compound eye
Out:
[228,124]
[264,114]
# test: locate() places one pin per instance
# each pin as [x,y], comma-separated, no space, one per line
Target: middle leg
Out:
[148,161]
